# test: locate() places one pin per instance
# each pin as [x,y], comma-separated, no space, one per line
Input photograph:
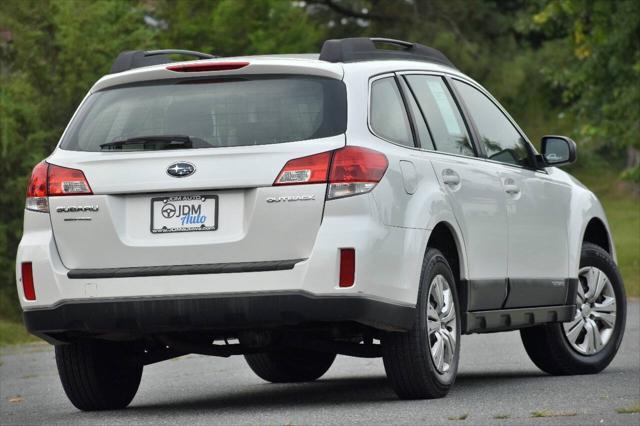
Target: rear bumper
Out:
[226,296]
[237,311]
[388,266]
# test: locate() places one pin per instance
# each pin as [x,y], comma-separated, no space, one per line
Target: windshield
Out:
[210,113]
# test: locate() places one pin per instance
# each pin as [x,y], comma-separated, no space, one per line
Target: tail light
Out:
[355,170]
[27,281]
[37,189]
[64,181]
[349,171]
[311,169]
[48,180]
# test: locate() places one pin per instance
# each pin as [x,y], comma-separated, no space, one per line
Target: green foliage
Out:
[559,66]
[13,333]
[623,215]
[59,48]
[598,69]
[632,174]
[239,27]
[634,409]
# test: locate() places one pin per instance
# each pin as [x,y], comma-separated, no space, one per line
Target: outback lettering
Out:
[291,198]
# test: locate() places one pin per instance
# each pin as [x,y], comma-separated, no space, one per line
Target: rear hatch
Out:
[181,170]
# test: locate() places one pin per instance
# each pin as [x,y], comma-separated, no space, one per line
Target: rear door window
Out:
[224,112]
[421,129]
[388,117]
[442,116]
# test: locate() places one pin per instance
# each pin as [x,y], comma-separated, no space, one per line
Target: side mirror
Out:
[558,150]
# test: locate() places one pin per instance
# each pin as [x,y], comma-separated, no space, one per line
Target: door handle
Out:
[450,177]
[510,187]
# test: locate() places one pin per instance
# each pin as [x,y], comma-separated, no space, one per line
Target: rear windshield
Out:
[209,114]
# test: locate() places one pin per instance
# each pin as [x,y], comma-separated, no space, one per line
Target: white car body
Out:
[516,250]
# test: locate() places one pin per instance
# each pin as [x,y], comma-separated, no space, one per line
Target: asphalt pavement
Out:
[497,384]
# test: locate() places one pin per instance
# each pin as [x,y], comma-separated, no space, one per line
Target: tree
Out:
[599,70]
[54,50]
[239,27]
[552,63]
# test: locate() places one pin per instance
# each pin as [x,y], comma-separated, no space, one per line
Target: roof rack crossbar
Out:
[131,59]
[364,49]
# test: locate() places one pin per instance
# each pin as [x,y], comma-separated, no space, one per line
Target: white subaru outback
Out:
[369,201]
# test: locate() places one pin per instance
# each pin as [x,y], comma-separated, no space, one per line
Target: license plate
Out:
[184,213]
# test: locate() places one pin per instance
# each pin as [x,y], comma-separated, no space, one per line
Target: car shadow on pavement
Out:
[466,379]
[333,391]
[266,395]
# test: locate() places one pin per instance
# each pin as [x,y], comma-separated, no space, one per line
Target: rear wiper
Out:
[161,142]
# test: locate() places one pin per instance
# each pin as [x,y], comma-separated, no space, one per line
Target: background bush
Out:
[559,66]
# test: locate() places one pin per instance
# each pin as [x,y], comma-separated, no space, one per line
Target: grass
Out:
[462,417]
[624,219]
[549,413]
[13,333]
[635,409]
[623,213]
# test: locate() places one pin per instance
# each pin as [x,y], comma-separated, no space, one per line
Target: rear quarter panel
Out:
[418,205]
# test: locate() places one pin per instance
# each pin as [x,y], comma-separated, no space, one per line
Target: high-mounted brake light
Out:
[48,180]
[208,66]
[349,171]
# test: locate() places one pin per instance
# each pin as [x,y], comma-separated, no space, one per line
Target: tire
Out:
[549,346]
[290,365]
[98,375]
[410,366]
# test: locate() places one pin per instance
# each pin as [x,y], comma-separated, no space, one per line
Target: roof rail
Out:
[364,49]
[131,59]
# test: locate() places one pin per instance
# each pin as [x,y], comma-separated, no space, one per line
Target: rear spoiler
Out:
[143,58]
